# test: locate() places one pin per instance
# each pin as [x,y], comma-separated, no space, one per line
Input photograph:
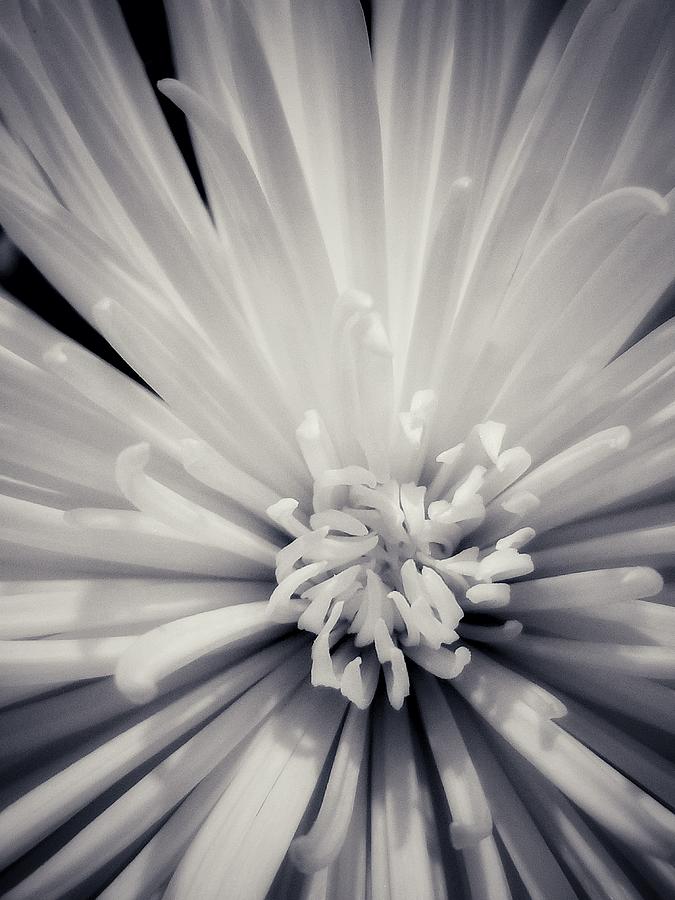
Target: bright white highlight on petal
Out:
[161,651]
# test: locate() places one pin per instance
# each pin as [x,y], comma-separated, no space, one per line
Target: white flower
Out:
[413,423]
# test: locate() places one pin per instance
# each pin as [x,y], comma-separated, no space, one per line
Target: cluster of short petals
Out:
[382,570]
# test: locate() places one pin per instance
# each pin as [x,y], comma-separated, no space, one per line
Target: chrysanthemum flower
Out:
[363,600]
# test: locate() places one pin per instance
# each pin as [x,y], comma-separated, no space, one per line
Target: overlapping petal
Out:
[470,225]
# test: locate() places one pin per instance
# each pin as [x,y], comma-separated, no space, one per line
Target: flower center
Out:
[382,570]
